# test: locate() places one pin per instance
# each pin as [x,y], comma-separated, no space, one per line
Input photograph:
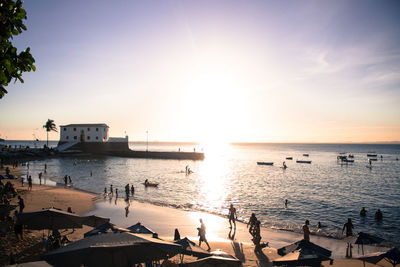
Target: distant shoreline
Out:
[243,143]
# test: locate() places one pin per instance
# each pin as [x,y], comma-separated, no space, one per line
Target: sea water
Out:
[325,191]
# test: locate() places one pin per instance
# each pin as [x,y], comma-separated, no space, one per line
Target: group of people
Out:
[378,214]
[129,190]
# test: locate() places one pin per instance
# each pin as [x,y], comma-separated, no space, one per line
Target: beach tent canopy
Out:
[364,239]
[367,239]
[50,219]
[105,228]
[94,221]
[112,249]
[32,264]
[300,258]
[214,261]
[392,256]
[190,248]
[140,229]
[302,253]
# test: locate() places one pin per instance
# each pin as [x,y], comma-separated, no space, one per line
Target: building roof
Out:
[86,125]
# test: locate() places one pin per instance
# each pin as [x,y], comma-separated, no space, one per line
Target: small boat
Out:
[373,159]
[289,158]
[372,155]
[342,158]
[265,163]
[150,184]
[349,160]
[351,156]
[303,161]
[306,155]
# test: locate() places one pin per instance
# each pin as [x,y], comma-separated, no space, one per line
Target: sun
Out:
[214,109]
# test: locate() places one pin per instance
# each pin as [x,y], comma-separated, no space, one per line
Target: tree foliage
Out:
[50,126]
[12,64]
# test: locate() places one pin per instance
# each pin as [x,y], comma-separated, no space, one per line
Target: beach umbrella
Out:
[214,261]
[33,264]
[302,253]
[367,239]
[94,221]
[190,248]
[50,219]
[105,228]
[392,256]
[112,249]
[140,229]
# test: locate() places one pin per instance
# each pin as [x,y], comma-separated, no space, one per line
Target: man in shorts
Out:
[202,234]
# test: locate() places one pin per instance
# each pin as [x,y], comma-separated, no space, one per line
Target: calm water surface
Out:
[324,191]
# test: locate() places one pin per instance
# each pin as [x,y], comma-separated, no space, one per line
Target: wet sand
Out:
[164,220]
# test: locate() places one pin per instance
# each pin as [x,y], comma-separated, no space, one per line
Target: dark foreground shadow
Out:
[238,249]
[262,259]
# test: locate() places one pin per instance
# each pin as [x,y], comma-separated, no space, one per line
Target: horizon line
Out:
[242,143]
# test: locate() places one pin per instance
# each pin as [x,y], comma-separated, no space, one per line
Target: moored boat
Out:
[265,163]
[303,161]
[289,158]
[306,155]
[372,155]
[150,184]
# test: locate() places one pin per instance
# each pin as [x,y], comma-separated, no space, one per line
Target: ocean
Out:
[325,191]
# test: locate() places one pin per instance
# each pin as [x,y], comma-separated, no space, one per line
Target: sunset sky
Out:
[230,71]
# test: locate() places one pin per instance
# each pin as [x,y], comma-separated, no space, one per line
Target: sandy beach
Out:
[162,220]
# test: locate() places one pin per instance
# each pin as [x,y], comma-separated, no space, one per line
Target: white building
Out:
[97,132]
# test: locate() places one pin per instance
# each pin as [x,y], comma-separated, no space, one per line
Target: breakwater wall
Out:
[158,155]
[121,149]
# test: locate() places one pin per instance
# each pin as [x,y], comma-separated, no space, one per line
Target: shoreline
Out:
[159,219]
[298,231]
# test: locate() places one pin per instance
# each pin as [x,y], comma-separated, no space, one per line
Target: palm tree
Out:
[49,126]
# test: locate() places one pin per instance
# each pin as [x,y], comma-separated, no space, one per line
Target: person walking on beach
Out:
[132,190]
[70,180]
[18,228]
[116,193]
[252,222]
[349,228]
[21,204]
[232,216]
[40,178]
[111,190]
[30,182]
[306,230]
[349,232]
[256,233]
[202,234]
[45,167]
